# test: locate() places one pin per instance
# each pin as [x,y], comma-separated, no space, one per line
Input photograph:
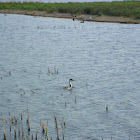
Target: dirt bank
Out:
[94,18]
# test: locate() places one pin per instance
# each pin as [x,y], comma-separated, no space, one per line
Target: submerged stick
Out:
[9,73]
[21,116]
[107,108]
[75,100]
[32,137]
[48,70]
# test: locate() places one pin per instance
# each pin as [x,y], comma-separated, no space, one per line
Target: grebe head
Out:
[71,80]
[70,84]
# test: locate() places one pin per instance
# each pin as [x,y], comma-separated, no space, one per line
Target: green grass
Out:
[124,8]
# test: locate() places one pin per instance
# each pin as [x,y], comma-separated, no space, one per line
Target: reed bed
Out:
[20,130]
[23,133]
[124,8]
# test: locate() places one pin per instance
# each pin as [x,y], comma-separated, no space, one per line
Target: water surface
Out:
[103,58]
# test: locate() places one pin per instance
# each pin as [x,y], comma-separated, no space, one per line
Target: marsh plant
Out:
[115,8]
[18,131]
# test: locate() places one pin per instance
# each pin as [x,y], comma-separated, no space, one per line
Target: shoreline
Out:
[93,18]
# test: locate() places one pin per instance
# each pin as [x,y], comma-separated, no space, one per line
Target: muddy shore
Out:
[94,18]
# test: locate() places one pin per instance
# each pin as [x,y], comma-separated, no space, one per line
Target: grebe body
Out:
[70,84]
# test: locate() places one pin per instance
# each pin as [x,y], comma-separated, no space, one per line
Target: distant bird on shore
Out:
[70,84]
[82,21]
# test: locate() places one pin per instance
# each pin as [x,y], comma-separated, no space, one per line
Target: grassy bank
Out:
[126,8]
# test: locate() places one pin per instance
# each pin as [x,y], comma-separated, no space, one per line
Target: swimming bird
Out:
[70,84]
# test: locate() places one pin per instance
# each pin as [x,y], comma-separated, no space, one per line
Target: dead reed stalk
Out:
[19,132]
[10,126]
[23,134]
[28,119]
[15,133]
[55,69]
[56,124]
[36,135]
[4,137]
[43,127]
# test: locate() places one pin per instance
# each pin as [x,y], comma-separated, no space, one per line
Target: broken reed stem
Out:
[43,127]
[56,123]
[36,135]
[75,100]
[28,120]
[28,115]
[64,122]
[63,126]
[10,125]
[47,134]
[63,132]
[4,137]
[32,137]
[55,69]
[15,133]
[23,134]
[28,125]
[21,116]
[19,132]
[48,70]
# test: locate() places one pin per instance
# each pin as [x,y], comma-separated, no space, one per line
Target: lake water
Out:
[103,58]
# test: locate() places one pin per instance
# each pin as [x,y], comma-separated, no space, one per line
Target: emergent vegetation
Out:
[124,8]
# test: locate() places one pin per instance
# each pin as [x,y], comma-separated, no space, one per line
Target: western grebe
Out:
[70,84]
